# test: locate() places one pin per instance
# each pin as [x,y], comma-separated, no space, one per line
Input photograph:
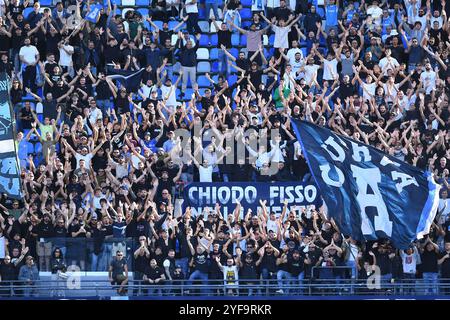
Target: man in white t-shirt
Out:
[310,70]
[292,52]
[388,62]
[83,154]
[168,91]
[281,31]
[65,56]
[410,260]
[375,11]
[428,78]
[29,56]
[444,206]
[330,72]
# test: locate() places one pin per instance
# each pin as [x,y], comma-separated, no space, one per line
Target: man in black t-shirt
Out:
[118,273]
[429,256]
[153,276]
[199,264]
[444,262]
[224,39]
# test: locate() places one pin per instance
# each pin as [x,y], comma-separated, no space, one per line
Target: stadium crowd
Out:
[100,155]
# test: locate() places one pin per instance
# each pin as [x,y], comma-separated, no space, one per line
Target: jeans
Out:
[224,67]
[184,263]
[430,278]
[409,283]
[137,283]
[198,275]
[283,278]
[214,6]
[267,275]
[95,258]
[188,72]
[352,264]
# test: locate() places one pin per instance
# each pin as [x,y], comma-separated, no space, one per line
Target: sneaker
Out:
[280,291]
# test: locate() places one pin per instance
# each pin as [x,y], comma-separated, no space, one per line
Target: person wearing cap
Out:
[29,274]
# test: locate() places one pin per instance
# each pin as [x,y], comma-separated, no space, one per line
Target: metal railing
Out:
[258,287]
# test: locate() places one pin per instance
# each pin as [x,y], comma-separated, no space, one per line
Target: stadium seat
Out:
[147,25]
[26,12]
[172,24]
[272,38]
[202,13]
[46,3]
[305,52]
[128,3]
[40,118]
[235,39]
[187,94]
[203,82]
[159,24]
[204,25]
[143,12]
[215,67]
[243,40]
[214,40]
[202,54]
[214,54]
[30,147]
[202,92]
[246,14]
[232,79]
[234,52]
[213,27]
[203,66]
[204,41]
[38,148]
[246,3]
[144,3]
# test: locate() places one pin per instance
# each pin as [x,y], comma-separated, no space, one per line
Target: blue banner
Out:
[369,194]
[200,195]
[94,12]
[9,167]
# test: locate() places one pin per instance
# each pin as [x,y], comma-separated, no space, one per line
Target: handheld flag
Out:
[369,194]
[94,13]
[129,79]
[9,165]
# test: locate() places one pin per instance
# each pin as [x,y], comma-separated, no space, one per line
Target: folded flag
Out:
[369,194]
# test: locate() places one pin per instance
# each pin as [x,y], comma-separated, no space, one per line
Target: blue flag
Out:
[369,194]
[9,165]
[94,13]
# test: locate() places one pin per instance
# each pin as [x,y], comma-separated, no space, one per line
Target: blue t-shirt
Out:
[151,144]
